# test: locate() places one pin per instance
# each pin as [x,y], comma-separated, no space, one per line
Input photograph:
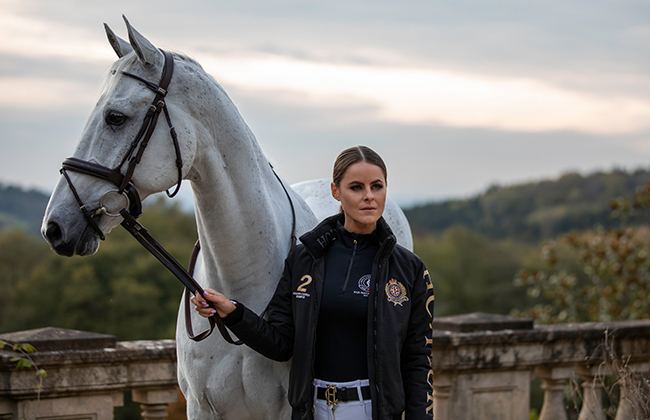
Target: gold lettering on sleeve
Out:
[428,279]
[429,399]
[427,305]
[429,287]
[429,342]
[430,382]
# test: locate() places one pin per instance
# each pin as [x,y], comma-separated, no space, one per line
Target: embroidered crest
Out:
[364,283]
[396,292]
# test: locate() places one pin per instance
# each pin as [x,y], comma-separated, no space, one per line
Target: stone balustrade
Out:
[87,375]
[483,366]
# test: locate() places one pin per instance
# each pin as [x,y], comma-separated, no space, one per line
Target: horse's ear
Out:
[120,46]
[146,52]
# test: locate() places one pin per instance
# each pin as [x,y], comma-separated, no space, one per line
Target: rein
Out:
[126,189]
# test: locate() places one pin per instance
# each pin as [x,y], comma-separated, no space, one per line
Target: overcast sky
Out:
[455,95]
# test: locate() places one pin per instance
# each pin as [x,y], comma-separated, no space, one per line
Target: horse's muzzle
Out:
[86,244]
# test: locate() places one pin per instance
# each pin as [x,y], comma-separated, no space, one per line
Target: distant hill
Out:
[528,212]
[21,209]
[536,210]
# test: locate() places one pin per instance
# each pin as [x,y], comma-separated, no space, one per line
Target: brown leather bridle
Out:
[126,189]
[124,182]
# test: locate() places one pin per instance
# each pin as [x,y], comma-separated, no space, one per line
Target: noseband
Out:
[127,190]
[124,182]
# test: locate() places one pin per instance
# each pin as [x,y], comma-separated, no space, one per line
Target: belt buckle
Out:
[330,395]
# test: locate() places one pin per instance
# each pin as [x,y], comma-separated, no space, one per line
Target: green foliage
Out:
[534,211]
[20,253]
[21,210]
[471,272]
[612,282]
[23,360]
[122,290]
[24,348]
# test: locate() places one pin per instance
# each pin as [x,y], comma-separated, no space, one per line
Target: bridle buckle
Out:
[330,395]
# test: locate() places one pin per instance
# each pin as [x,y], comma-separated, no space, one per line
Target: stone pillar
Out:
[154,403]
[629,405]
[554,380]
[95,407]
[480,380]
[442,384]
[592,392]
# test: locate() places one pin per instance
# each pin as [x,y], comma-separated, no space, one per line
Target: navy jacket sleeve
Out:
[272,337]
[417,374]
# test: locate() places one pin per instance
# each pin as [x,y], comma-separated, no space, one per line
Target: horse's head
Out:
[112,141]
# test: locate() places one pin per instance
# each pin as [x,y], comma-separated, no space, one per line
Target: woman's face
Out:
[362,193]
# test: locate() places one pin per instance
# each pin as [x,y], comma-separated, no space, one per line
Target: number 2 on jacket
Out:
[306,279]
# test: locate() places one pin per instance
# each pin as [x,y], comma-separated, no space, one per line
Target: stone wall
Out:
[87,375]
[483,366]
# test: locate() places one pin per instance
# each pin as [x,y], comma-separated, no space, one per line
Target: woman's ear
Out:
[335,192]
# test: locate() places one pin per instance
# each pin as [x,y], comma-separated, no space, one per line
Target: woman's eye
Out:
[355,187]
[115,118]
[377,187]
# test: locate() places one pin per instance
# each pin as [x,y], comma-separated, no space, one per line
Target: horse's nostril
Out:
[53,233]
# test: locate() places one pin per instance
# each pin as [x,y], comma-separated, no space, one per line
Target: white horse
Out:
[243,215]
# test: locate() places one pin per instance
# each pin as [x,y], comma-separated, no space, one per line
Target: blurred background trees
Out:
[122,290]
[602,274]
[530,249]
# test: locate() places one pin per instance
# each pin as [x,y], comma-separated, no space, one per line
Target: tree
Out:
[122,290]
[471,272]
[612,279]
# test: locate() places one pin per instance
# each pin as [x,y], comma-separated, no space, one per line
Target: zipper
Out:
[347,276]
[313,342]
[375,343]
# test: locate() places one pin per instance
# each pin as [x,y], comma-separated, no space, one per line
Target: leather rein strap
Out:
[186,296]
[126,189]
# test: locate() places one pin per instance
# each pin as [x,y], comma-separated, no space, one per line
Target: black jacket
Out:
[400,311]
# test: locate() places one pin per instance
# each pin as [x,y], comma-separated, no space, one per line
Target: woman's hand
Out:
[223,305]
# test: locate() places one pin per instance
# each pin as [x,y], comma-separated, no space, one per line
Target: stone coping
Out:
[554,345]
[122,352]
[53,338]
[480,321]
[545,333]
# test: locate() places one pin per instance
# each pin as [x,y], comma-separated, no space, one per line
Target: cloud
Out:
[436,97]
[33,93]
[457,95]
[386,65]
[30,36]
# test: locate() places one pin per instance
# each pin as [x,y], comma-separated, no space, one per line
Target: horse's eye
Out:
[115,118]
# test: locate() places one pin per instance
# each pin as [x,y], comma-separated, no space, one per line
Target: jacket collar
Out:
[319,239]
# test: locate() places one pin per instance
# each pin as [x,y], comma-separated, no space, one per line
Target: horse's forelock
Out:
[109,82]
[125,63]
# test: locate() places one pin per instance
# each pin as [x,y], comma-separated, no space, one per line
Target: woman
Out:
[353,309]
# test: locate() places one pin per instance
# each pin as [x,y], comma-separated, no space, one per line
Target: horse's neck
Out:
[242,212]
